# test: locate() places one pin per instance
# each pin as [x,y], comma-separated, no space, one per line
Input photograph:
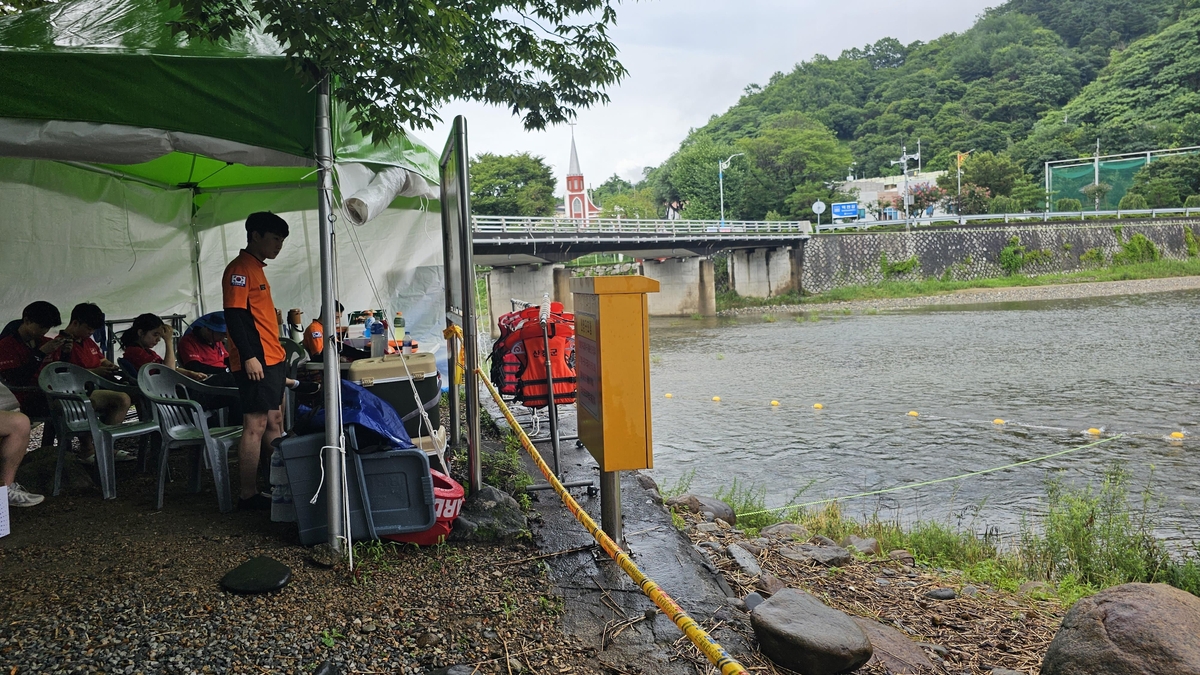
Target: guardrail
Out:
[1007,218]
[708,228]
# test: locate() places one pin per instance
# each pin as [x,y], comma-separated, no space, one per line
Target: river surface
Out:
[1051,370]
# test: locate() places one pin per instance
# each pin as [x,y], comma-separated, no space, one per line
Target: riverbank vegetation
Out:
[891,289]
[1082,539]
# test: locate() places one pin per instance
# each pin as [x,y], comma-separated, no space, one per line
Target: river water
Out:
[1051,370]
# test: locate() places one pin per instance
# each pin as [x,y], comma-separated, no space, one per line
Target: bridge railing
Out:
[707,228]
[950,218]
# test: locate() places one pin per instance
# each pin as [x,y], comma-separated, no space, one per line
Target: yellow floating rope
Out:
[703,641]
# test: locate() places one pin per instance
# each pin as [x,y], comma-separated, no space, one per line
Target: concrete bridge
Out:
[526,255]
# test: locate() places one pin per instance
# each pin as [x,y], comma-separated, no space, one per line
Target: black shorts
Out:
[263,395]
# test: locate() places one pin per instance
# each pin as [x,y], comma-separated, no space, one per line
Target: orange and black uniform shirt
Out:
[314,338]
[244,288]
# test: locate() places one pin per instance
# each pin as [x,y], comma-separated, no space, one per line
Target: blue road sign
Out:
[845,210]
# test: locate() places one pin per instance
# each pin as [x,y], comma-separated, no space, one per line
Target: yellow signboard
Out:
[612,366]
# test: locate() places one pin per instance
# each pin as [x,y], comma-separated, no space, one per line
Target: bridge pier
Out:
[686,287]
[562,288]
[521,282]
[765,272]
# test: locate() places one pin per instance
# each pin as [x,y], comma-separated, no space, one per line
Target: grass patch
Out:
[1159,269]
[731,300]
[503,469]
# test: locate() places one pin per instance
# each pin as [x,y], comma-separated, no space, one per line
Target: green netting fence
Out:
[1068,179]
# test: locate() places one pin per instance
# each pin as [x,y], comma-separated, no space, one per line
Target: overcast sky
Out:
[691,59]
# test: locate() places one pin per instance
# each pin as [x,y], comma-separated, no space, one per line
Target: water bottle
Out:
[378,340]
[398,326]
[408,346]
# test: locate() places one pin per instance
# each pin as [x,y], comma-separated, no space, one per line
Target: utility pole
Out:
[905,158]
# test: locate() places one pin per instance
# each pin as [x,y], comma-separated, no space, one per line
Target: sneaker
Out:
[307,388]
[19,496]
[257,502]
[124,456]
[90,460]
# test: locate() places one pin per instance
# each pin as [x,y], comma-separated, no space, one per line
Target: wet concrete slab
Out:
[602,604]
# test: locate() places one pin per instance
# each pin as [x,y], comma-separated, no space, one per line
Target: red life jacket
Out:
[533,390]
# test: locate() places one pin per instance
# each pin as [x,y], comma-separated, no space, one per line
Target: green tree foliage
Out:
[395,63]
[637,203]
[14,6]
[1068,204]
[1133,202]
[789,150]
[615,185]
[1146,98]
[690,175]
[799,202]
[999,174]
[1162,178]
[511,185]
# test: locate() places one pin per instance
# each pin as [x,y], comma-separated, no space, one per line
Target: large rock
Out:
[864,545]
[1133,629]
[490,515]
[830,556]
[698,504]
[891,649]
[798,632]
[786,531]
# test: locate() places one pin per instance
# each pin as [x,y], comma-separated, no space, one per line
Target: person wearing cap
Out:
[202,348]
[256,357]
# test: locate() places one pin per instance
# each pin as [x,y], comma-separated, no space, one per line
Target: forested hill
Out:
[1031,81]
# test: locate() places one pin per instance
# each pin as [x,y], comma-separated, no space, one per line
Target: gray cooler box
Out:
[387,378]
[389,492]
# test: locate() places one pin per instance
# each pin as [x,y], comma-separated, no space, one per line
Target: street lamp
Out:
[721,166]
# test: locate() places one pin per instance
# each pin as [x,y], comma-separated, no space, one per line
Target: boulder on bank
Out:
[891,649]
[1132,629]
[490,515]
[698,504]
[830,556]
[799,632]
[786,531]
[864,545]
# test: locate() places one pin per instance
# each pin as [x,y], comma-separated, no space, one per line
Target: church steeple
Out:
[578,203]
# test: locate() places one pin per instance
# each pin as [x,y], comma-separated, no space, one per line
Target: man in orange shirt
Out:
[256,357]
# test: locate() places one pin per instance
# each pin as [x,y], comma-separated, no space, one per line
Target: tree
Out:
[791,149]
[636,203]
[799,203]
[615,185]
[394,63]
[999,174]
[1096,192]
[973,200]
[511,185]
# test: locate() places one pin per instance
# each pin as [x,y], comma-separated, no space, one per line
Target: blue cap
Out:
[214,321]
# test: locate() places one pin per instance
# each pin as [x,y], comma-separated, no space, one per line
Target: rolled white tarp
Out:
[370,201]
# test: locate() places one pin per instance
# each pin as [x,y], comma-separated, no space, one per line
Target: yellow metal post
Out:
[612,364]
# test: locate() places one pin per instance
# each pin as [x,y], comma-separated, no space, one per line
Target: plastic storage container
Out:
[387,378]
[448,500]
[390,492]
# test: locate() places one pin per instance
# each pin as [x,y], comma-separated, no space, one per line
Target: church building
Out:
[578,203]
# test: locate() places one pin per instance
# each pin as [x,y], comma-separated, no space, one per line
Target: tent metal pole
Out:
[334,464]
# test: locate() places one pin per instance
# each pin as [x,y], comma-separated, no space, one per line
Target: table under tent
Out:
[130,158]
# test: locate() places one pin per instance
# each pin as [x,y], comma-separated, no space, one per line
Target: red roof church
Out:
[578,203]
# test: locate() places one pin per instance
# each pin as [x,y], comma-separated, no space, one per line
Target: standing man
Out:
[256,357]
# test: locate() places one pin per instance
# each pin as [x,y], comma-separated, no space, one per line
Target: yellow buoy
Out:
[913,413]
[818,406]
[1094,431]
[1177,435]
[717,399]
[774,402]
[997,421]
[669,396]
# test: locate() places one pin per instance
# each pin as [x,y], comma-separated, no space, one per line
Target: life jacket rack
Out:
[533,363]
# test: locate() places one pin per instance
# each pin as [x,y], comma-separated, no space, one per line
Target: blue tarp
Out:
[367,410]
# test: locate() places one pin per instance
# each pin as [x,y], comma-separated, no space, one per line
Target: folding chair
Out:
[184,423]
[68,386]
[294,359]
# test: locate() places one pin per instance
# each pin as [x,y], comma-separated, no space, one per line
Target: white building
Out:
[888,189]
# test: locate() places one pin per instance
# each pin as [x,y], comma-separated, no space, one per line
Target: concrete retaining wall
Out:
[835,261]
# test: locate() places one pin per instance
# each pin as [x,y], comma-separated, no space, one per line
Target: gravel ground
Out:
[96,586]
[980,296]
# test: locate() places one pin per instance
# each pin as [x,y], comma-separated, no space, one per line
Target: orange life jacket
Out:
[533,385]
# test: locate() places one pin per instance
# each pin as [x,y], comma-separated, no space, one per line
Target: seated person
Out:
[139,341]
[23,348]
[314,340]
[81,350]
[14,442]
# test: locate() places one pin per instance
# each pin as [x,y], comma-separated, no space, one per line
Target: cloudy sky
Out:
[691,59]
